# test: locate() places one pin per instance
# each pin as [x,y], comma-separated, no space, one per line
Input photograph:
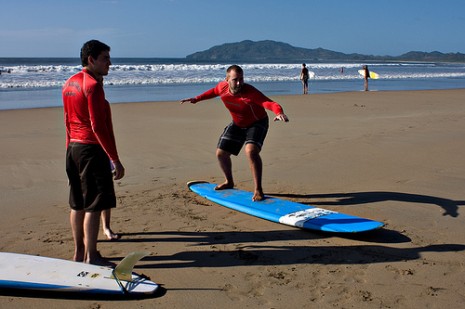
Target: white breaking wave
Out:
[54,76]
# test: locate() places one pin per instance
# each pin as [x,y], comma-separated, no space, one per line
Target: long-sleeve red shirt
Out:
[87,113]
[246,107]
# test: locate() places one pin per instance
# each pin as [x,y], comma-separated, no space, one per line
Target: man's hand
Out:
[118,172]
[190,100]
[281,117]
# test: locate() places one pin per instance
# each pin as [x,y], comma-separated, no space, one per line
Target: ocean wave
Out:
[26,76]
[23,69]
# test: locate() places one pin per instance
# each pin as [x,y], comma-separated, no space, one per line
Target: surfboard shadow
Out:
[256,248]
[295,234]
[43,294]
[449,206]
[259,248]
[257,255]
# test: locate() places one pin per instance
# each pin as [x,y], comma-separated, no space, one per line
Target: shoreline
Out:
[391,156]
[273,96]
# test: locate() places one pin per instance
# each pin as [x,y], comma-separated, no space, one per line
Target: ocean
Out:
[37,82]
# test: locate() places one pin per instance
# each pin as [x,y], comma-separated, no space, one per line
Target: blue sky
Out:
[176,28]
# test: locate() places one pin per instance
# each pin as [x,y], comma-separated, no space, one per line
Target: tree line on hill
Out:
[272,51]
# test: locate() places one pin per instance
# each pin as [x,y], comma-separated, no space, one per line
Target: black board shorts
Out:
[90,178]
[234,137]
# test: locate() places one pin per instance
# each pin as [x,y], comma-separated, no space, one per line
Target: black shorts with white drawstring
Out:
[234,137]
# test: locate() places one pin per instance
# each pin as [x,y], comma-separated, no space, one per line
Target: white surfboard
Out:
[37,273]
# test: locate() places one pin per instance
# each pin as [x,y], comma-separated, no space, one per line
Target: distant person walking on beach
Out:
[90,144]
[249,125]
[304,78]
[366,76]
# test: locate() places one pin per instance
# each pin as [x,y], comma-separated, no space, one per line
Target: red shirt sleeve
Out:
[100,118]
[209,94]
[257,97]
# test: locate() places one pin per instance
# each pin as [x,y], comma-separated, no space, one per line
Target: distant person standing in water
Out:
[249,125]
[304,78]
[366,74]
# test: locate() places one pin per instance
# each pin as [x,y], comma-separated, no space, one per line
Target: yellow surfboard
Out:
[373,75]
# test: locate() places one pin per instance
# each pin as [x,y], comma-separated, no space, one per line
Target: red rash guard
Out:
[88,114]
[246,107]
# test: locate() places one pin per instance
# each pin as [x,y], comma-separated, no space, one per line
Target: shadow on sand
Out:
[256,248]
[356,198]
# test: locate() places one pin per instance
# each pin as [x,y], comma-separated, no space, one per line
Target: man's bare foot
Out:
[78,258]
[110,235]
[100,261]
[225,186]
[258,196]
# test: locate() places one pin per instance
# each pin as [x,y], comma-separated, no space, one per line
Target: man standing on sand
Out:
[249,125]
[90,145]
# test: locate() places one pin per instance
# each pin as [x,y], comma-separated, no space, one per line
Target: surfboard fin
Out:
[123,271]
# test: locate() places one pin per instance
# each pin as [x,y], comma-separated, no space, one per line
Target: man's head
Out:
[235,79]
[95,56]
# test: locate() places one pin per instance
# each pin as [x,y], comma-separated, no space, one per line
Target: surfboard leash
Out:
[123,289]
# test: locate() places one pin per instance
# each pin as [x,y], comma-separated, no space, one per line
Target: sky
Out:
[177,28]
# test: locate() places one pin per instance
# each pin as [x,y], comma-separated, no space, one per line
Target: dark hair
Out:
[236,68]
[92,48]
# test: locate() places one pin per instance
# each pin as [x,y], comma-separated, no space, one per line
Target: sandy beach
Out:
[395,157]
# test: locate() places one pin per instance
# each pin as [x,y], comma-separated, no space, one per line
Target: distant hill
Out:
[432,57]
[272,51]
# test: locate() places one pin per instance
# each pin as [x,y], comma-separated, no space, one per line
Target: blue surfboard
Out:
[283,211]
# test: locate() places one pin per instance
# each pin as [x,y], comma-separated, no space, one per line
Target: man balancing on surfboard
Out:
[249,125]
